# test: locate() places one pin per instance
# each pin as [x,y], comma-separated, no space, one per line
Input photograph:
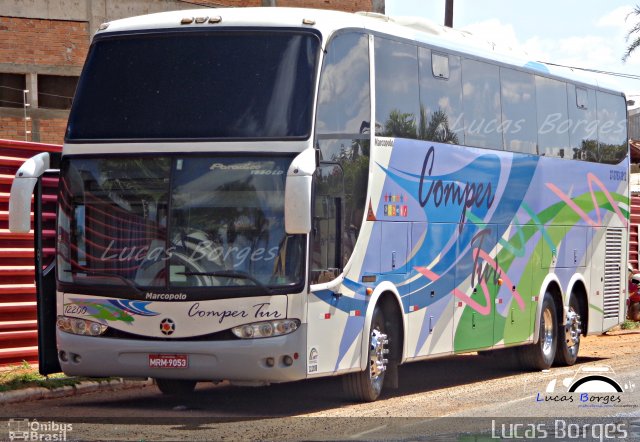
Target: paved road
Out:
[461,394]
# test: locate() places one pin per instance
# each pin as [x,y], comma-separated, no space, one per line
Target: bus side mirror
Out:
[22,191]
[297,193]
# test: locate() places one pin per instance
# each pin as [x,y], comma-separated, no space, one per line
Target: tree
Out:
[401,125]
[634,34]
[436,128]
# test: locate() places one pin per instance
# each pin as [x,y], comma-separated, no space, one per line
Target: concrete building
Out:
[43,45]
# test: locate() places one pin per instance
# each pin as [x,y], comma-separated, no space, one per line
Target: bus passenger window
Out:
[612,128]
[397,89]
[519,128]
[342,137]
[343,98]
[481,95]
[440,98]
[583,123]
[553,128]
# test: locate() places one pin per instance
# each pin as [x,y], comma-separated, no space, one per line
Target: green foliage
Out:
[632,35]
[629,325]
[436,128]
[401,125]
[25,376]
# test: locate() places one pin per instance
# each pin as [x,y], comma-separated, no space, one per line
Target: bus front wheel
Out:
[175,387]
[540,356]
[367,385]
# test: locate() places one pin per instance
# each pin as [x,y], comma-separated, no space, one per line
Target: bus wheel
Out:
[367,385]
[569,335]
[175,387]
[539,356]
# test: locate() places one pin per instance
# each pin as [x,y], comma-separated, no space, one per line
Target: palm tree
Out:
[635,30]
[436,128]
[400,124]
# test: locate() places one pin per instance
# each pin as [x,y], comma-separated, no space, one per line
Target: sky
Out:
[587,33]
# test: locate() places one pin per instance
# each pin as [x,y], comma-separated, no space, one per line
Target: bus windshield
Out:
[195,85]
[176,222]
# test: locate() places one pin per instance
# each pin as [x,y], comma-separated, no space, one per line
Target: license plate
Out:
[168,361]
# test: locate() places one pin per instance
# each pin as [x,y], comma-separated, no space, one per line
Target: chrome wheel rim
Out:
[377,360]
[573,330]
[547,330]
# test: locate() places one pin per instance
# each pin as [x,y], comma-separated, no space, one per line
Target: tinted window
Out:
[481,95]
[440,98]
[353,157]
[204,84]
[343,132]
[612,128]
[397,100]
[553,127]
[327,221]
[176,222]
[343,100]
[519,128]
[583,124]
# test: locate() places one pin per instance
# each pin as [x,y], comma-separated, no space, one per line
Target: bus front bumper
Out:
[237,360]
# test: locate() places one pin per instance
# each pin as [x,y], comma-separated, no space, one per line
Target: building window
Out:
[56,91]
[12,88]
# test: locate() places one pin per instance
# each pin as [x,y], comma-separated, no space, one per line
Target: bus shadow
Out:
[230,403]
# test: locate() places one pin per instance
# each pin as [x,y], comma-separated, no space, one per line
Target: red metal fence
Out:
[18,330]
[633,233]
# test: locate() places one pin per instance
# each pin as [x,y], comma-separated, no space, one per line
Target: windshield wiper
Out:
[230,274]
[108,275]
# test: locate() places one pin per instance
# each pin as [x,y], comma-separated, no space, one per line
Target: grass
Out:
[25,376]
[629,325]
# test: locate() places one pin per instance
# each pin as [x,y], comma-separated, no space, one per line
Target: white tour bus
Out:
[266,195]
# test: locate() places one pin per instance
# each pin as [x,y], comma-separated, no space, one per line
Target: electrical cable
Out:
[596,71]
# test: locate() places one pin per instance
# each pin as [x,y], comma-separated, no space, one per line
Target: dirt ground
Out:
[436,397]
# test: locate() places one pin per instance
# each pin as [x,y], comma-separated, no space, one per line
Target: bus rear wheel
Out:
[175,387]
[540,356]
[367,385]
[569,335]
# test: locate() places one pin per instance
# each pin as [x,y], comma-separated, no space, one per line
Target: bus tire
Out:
[569,335]
[540,356]
[366,386]
[175,387]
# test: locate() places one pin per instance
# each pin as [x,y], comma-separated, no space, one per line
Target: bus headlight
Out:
[266,329]
[79,326]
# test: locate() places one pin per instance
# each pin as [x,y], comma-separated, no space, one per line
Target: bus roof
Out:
[327,22]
